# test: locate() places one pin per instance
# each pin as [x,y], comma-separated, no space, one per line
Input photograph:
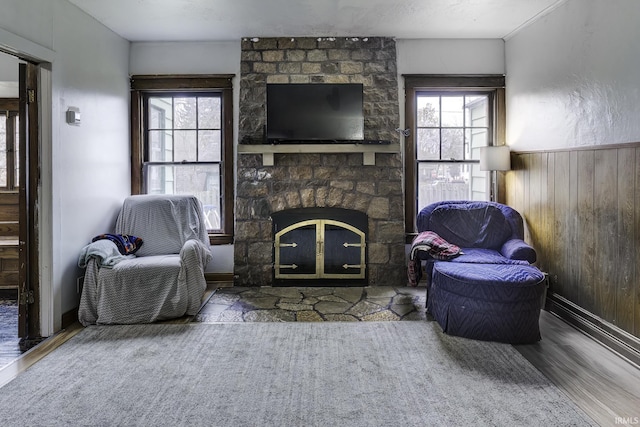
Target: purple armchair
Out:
[491,291]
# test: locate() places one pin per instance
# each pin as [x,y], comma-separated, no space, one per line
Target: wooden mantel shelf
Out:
[368,150]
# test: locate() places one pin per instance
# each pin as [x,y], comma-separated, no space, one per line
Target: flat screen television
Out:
[317,112]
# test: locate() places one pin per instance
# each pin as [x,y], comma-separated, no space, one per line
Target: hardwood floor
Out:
[604,385]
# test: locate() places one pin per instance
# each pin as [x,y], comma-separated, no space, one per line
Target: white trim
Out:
[23,48]
[50,303]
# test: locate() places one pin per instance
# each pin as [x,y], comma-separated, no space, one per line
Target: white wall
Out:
[89,170]
[447,56]
[221,57]
[450,56]
[572,77]
[30,20]
[8,76]
[194,58]
[8,68]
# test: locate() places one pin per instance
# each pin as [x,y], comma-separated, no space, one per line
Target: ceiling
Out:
[213,20]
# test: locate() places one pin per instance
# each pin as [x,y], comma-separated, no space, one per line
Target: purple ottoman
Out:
[491,302]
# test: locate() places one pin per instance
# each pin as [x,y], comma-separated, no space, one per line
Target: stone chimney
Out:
[299,180]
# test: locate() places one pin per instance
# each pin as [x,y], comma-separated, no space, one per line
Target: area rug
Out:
[283,374]
[9,341]
[8,320]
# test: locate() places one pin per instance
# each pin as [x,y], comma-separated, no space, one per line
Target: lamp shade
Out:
[495,158]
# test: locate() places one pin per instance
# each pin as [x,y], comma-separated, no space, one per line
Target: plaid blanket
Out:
[435,246]
[127,245]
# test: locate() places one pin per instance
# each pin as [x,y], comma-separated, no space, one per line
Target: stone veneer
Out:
[320,180]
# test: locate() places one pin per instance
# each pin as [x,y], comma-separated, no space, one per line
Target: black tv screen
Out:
[318,112]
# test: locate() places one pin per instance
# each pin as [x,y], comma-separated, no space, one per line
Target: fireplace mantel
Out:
[368,150]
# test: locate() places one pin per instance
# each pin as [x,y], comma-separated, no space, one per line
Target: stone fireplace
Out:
[339,176]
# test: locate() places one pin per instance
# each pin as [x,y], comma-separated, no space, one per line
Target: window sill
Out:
[220,239]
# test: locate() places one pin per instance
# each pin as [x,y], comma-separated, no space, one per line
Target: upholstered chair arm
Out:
[518,249]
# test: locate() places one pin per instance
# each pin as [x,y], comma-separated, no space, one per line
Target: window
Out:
[449,119]
[450,129]
[182,143]
[9,128]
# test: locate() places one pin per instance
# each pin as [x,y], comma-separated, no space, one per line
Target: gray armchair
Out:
[165,277]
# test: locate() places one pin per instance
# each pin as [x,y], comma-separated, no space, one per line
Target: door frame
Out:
[28,265]
[50,301]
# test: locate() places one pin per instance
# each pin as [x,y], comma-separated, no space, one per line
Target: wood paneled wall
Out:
[582,213]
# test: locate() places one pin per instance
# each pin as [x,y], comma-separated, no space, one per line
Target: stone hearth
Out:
[301,180]
[313,304]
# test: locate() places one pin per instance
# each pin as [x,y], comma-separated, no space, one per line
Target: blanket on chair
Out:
[126,244]
[435,246]
[105,252]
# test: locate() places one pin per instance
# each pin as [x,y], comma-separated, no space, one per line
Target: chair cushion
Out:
[490,282]
[485,256]
[472,225]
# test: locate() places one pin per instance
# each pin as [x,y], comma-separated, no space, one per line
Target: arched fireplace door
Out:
[321,246]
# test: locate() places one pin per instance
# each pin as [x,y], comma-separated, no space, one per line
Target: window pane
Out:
[180,127]
[160,113]
[185,148]
[159,180]
[477,109]
[452,111]
[160,146]
[428,144]
[185,113]
[476,138]
[450,127]
[209,112]
[202,181]
[452,144]
[443,181]
[428,111]
[209,146]
[480,181]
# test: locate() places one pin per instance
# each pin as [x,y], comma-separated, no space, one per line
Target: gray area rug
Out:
[283,374]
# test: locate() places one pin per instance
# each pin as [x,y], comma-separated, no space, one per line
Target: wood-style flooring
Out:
[604,385]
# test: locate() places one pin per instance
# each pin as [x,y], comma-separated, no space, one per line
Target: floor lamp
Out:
[495,158]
